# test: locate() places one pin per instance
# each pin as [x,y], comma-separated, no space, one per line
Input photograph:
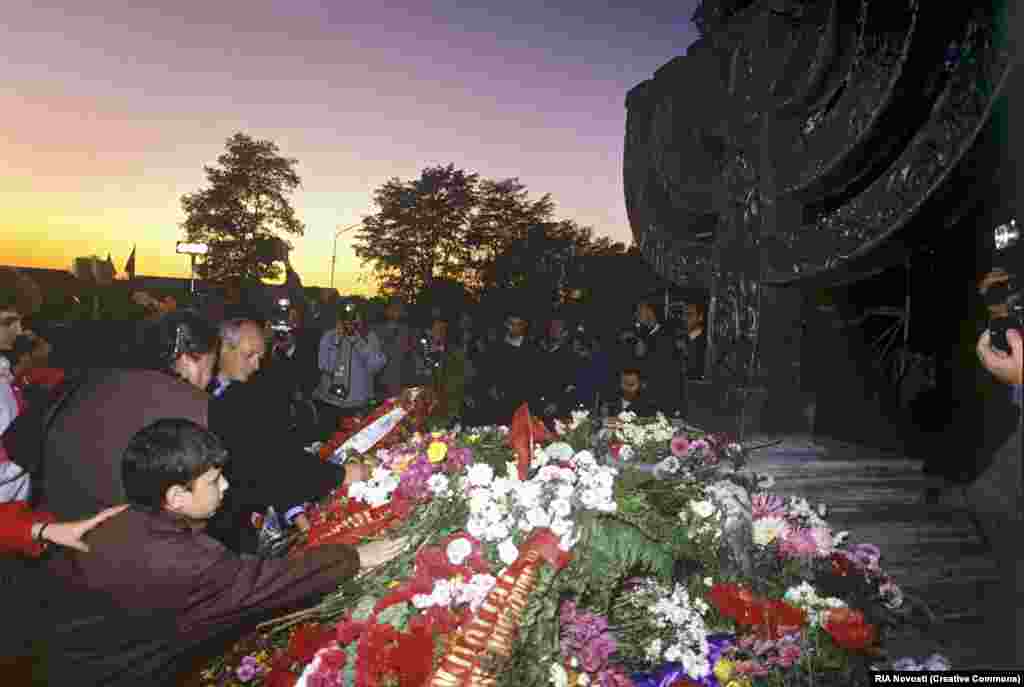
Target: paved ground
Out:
[933,552]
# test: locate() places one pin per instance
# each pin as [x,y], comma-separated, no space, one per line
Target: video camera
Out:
[1008,293]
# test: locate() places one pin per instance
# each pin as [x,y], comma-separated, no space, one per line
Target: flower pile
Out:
[631,554]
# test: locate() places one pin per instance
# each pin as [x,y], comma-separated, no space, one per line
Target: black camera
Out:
[280,323]
[1007,293]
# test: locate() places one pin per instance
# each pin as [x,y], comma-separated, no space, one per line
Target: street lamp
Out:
[192,250]
[334,253]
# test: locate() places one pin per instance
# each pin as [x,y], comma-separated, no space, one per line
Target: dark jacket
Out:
[152,590]
[268,465]
[513,370]
[81,468]
[643,406]
[661,368]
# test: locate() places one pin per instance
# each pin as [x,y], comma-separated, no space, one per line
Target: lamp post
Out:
[192,250]
[334,253]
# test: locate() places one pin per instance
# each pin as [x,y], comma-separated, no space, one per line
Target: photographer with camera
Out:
[350,356]
[995,496]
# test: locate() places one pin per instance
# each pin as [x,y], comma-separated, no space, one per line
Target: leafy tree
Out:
[419,233]
[452,226]
[504,216]
[244,211]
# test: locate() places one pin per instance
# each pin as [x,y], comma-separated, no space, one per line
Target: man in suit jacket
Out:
[512,371]
[252,416]
[654,354]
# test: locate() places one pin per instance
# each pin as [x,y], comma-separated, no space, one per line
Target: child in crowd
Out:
[154,587]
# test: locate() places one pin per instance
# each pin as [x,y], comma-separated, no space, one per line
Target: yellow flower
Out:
[738,682]
[437,451]
[437,435]
[393,584]
[398,467]
[724,670]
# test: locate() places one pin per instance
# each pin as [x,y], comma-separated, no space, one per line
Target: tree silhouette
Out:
[244,212]
[419,233]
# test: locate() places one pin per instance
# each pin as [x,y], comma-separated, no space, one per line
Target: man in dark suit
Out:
[654,354]
[632,396]
[512,370]
[269,466]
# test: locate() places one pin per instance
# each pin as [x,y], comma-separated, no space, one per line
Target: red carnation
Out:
[841,565]
[849,629]
[782,619]
[349,631]
[281,674]
[333,660]
[307,640]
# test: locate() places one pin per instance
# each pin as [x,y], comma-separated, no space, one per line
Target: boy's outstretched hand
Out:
[378,553]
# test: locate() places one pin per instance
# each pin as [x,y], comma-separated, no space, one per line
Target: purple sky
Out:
[111,111]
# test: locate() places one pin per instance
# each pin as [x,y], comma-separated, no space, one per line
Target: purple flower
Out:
[458,459]
[937,662]
[247,671]
[906,665]
[867,555]
[764,505]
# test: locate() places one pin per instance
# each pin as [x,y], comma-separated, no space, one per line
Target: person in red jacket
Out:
[28,532]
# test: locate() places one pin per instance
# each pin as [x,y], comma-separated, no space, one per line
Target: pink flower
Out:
[766,505]
[614,677]
[751,668]
[797,542]
[823,539]
[679,446]
[789,655]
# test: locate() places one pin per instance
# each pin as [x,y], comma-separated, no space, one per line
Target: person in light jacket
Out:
[349,358]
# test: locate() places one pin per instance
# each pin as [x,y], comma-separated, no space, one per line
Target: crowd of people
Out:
[141,487]
[148,479]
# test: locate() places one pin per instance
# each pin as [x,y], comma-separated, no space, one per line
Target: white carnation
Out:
[702,509]
[458,550]
[480,474]
[438,485]
[538,517]
[476,527]
[496,531]
[769,529]
[508,552]
[561,528]
[501,486]
[561,508]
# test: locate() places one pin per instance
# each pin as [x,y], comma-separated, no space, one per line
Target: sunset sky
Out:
[111,110]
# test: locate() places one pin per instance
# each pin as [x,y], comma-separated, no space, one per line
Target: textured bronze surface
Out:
[822,130]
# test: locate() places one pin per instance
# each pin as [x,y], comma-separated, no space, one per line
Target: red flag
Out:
[129,267]
[523,434]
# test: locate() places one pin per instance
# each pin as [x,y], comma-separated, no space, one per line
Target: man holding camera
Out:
[350,356]
[995,497]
